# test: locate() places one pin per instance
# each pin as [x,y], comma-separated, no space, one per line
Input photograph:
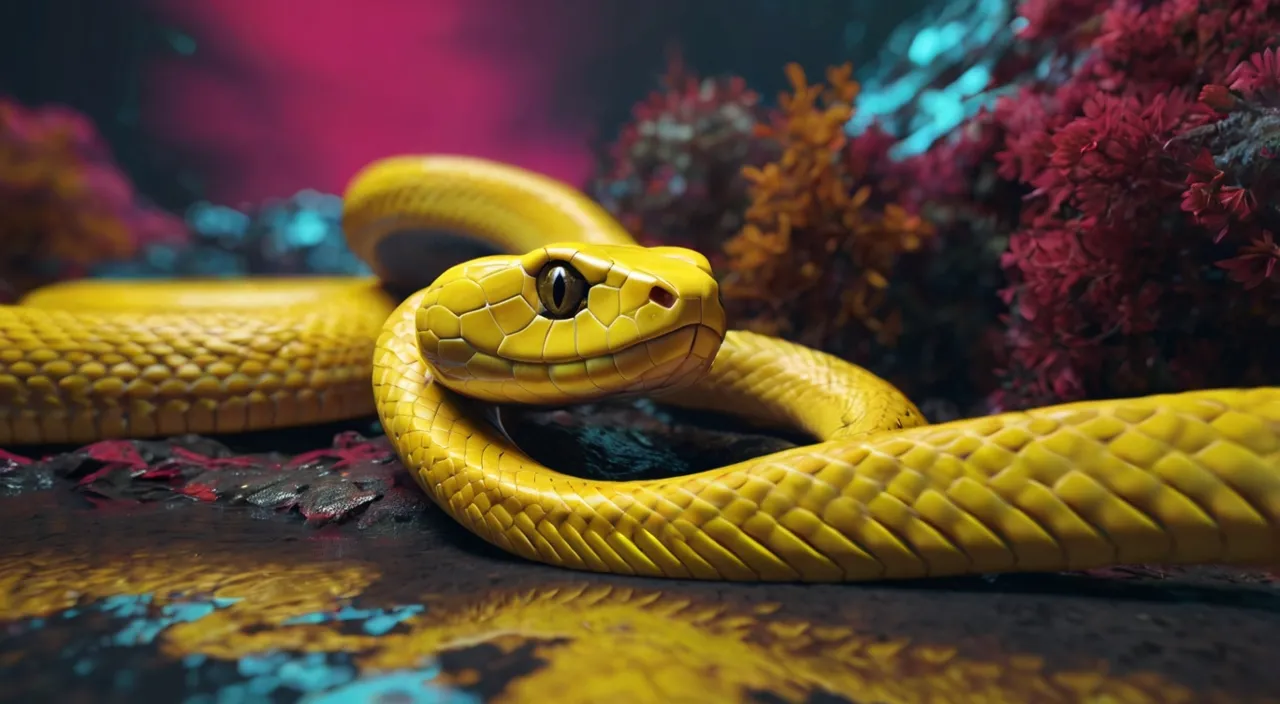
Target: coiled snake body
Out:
[555,303]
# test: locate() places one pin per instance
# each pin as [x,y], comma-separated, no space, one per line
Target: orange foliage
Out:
[815,255]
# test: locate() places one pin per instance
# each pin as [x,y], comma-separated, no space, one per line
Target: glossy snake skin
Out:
[89,360]
[575,311]
[1185,478]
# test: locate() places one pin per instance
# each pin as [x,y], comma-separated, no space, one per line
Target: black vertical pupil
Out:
[558,287]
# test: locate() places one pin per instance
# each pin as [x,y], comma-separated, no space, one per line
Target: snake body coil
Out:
[556,303]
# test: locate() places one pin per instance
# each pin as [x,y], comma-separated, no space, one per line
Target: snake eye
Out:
[561,289]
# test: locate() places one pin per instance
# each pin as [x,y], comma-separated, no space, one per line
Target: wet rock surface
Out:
[187,570]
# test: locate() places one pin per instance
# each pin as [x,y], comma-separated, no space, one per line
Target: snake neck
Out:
[754,375]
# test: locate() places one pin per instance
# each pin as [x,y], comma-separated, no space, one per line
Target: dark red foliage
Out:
[1130,183]
[1256,262]
[947,345]
[1148,175]
[1059,21]
[1259,77]
[354,479]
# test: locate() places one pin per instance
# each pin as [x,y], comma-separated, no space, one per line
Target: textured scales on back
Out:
[147,360]
[1190,477]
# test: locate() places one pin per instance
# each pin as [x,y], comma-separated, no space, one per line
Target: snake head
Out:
[571,323]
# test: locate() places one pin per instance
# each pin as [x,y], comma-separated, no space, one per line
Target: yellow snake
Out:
[568,308]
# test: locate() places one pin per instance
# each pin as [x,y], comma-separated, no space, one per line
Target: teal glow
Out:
[182,43]
[933,41]
[376,622]
[902,91]
[409,687]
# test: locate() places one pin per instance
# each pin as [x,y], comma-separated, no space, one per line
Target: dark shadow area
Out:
[283,441]
[1223,587]
[413,259]
[92,56]
[635,440]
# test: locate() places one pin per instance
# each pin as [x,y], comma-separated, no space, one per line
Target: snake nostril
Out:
[662,296]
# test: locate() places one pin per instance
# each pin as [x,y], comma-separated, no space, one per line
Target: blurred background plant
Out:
[934,72]
[815,239]
[66,204]
[298,235]
[69,211]
[675,172]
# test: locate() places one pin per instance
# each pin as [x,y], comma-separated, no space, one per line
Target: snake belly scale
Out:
[569,308]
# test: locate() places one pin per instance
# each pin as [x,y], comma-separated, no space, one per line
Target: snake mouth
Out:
[653,338]
[700,312]
[669,358]
[695,332]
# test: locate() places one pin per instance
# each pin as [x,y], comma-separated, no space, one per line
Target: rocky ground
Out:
[202,571]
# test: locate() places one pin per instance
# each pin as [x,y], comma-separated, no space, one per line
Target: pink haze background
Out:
[284,95]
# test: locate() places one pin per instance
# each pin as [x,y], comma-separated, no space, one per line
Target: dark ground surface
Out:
[134,571]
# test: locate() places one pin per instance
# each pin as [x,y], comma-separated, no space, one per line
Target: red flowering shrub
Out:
[1122,187]
[1142,261]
